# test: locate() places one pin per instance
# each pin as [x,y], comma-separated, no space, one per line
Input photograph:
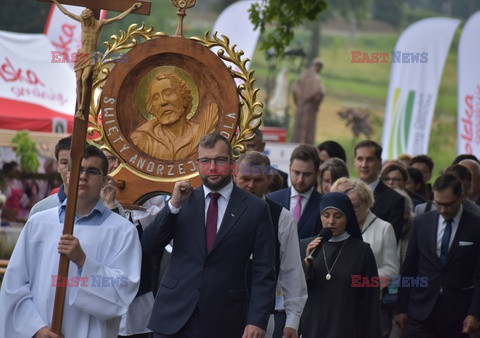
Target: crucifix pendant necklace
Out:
[329,276]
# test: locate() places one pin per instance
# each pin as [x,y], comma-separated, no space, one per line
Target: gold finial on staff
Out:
[182,6]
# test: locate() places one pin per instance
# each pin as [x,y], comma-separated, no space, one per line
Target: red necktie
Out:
[211,223]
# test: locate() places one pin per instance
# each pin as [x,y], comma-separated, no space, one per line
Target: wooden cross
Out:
[84,80]
[112,5]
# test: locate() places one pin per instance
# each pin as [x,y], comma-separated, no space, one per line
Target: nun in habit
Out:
[339,304]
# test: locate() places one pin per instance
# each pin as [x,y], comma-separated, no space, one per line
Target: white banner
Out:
[234,23]
[65,33]
[417,66]
[468,134]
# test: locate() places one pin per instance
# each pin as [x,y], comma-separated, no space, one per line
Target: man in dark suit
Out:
[465,176]
[302,199]
[444,247]
[203,292]
[425,164]
[389,205]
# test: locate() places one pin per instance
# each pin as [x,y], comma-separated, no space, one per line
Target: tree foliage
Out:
[283,16]
[26,150]
[347,9]
[391,11]
[26,16]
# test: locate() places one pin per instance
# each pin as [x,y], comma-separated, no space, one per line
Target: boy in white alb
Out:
[104,270]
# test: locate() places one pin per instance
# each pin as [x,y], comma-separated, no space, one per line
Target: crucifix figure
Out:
[91,29]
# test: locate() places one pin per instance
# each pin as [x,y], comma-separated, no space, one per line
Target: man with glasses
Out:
[62,156]
[444,246]
[215,229]
[104,272]
[465,176]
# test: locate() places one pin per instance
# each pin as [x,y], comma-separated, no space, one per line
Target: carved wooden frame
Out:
[159,49]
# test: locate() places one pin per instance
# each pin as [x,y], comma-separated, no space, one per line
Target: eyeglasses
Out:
[392,179]
[217,160]
[447,205]
[90,171]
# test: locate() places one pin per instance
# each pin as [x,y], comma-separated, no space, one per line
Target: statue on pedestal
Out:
[308,93]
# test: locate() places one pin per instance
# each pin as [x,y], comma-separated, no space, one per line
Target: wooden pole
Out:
[77,151]
[79,137]
[76,154]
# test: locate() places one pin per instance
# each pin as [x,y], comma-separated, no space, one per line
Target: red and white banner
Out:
[35,94]
[468,127]
[64,32]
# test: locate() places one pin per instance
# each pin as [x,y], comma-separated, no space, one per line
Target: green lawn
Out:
[366,84]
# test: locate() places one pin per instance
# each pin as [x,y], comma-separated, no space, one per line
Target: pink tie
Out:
[297,211]
[211,223]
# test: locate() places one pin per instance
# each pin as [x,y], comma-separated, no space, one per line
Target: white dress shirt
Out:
[374,184]
[222,202]
[305,198]
[291,291]
[442,223]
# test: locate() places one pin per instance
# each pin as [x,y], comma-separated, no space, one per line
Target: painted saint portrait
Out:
[170,134]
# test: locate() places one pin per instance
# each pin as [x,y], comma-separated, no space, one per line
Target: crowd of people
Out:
[257,252]
[20,191]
